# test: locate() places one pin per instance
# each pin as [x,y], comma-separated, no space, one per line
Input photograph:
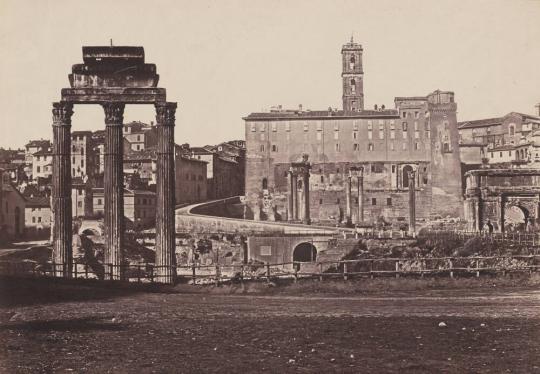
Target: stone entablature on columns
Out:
[61,190]
[165,227]
[301,169]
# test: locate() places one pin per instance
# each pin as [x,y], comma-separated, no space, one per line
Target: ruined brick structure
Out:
[419,135]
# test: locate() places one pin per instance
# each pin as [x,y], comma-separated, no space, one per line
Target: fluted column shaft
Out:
[294,196]
[165,227]
[290,202]
[412,202]
[61,190]
[306,218]
[360,197]
[114,190]
[348,198]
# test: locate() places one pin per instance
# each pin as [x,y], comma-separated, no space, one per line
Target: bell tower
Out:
[353,76]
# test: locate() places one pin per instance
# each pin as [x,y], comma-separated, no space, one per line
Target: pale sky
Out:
[221,60]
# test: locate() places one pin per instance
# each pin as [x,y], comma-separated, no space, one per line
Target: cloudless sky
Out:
[221,60]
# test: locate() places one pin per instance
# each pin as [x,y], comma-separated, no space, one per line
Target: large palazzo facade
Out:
[113,77]
[354,164]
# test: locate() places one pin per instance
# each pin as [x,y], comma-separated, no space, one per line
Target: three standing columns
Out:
[165,227]
[61,190]
[114,191]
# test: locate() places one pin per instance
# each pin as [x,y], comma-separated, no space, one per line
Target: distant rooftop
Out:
[322,114]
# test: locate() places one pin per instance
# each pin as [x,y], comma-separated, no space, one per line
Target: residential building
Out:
[191,184]
[139,206]
[42,161]
[38,216]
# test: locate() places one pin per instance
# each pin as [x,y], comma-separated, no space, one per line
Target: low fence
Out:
[345,269]
[520,238]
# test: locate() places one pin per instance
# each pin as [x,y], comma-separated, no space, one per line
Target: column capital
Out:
[114,113]
[62,112]
[165,113]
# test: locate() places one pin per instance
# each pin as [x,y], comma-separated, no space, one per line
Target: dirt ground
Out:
[58,327]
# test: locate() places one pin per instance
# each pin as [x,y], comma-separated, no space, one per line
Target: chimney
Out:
[300,107]
[375,107]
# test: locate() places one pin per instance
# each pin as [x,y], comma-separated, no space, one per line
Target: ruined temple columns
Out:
[306,217]
[294,195]
[412,203]
[165,227]
[61,190]
[290,202]
[348,194]
[114,190]
[360,195]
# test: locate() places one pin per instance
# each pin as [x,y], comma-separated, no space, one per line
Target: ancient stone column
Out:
[294,196]
[306,217]
[61,190]
[290,202]
[114,191]
[360,195]
[479,213]
[165,228]
[348,194]
[501,216]
[412,203]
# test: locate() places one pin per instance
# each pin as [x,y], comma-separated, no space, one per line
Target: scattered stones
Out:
[442,324]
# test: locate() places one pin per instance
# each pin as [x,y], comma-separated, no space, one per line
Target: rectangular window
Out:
[415,125]
[404,114]
[274,126]
[38,169]
[370,134]
[261,148]
[389,201]
[274,148]
[33,219]
[337,147]
[306,126]
[336,126]
[417,135]
[391,146]
[356,147]
[336,135]
[99,201]
[82,163]
[262,127]
[416,146]
[79,204]
[416,114]
[319,125]
[355,135]
[369,125]
[381,131]
[392,134]
[370,147]
[355,125]
[393,168]
[404,146]
[373,201]
[404,126]
[261,136]
[287,126]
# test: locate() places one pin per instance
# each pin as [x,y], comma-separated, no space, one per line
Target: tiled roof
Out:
[37,202]
[480,123]
[43,152]
[39,143]
[323,114]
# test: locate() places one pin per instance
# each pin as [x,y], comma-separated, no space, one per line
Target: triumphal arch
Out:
[113,77]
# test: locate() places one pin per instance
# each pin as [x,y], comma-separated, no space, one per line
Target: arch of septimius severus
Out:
[113,77]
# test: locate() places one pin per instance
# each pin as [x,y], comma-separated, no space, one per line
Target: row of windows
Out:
[193,177]
[356,147]
[34,219]
[306,125]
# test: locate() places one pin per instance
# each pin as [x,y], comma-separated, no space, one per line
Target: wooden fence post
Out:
[295,273]
[477,269]
[397,268]
[345,275]
[268,272]
[320,272]
[451,268]
[193,275]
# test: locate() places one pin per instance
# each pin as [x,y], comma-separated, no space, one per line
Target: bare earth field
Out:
[52,326]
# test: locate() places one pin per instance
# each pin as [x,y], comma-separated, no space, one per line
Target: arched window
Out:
[353,86]
[265,184]
[352,62]
[511,130]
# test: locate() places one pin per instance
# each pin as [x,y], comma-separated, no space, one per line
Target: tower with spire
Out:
[352,76]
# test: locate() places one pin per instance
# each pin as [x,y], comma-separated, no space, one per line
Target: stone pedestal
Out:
[165,228]
[114,191]
[61,190]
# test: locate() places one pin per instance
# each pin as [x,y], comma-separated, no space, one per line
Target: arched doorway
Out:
[406,170]
[515,218]
[305,252]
